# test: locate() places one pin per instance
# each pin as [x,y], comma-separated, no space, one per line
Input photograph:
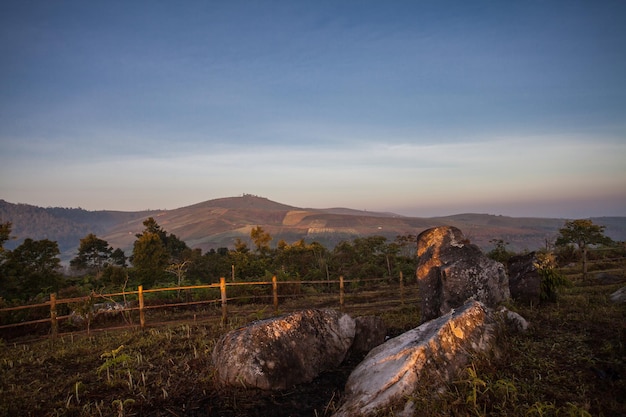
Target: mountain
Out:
[218,223]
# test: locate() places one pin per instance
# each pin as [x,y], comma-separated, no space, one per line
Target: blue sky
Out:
[422,108]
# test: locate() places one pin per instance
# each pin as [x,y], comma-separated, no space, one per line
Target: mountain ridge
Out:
[219,222]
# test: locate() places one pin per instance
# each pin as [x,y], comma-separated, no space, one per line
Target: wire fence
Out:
[213,301]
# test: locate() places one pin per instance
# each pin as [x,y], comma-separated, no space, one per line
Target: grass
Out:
[571,362]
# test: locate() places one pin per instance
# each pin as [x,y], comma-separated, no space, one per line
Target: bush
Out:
[551,279]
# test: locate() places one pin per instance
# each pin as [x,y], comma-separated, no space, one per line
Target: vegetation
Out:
[499,252]
[582,233]
[570,363]
[161,259]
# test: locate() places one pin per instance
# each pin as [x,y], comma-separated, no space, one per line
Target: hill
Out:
[219,222]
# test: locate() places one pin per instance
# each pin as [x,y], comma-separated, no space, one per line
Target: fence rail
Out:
[141,307]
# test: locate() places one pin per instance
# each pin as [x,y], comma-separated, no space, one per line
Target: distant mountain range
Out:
[218,223]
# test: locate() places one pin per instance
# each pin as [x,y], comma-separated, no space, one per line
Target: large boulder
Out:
[524,278]
[281,352]
[371,331]
[433,353]
[451,270]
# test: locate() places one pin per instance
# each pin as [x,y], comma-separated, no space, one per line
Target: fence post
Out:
[142,317]
[341,292]
[223,293]
[53,315]
[401,288]
[275,293]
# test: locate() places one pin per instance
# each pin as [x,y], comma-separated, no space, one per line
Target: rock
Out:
[284,351]
[524,279]
[433,353]
[619,296]
[514,321]
[450,271]
[371,331]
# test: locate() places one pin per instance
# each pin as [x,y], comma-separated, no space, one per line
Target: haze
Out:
[421,108]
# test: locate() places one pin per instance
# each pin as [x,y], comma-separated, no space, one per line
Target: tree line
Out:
[33,269]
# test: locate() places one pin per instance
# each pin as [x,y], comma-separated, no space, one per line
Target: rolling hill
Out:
[219,222]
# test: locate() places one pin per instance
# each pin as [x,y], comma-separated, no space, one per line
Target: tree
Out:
[94,254]
[300,260]
[173,245]
[261,239]
[154,250]
[407,244]
[364,257]
[31,268]
[5,234]
[179,270]
[118,258]
[582,233]
[150,258]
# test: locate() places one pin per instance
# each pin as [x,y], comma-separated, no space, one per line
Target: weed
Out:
[121,406]
[113,360]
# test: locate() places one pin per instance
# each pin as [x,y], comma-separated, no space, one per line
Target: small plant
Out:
[477,387]
[120,405]
[112,360]
[551,278]
[541,409]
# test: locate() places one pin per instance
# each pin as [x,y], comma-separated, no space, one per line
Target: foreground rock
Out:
[371,331]
[284,351]
[524,279]
[430,354]
[619,296]
[451,270]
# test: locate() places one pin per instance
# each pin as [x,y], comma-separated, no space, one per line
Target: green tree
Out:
[32,268]
[211,266]
[173,245]
[94,255]
[300,260]
[364,257]
[582,233]
[407,244]
[5,234]
[150,258]
[153,252]
[118,258]
[261,239]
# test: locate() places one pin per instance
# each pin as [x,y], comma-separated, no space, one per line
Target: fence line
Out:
[54,302]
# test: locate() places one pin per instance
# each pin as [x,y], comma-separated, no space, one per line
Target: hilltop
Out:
[219,222]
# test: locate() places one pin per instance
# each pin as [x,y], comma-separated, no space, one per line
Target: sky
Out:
[422,108]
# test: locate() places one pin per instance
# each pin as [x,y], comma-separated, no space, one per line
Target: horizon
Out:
[365,211]
[423,109]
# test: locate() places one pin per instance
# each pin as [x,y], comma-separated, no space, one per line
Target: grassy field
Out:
[570,363]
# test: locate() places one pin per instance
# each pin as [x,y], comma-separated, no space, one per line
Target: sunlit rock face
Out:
[524,279]
[284,351]
[451,270]
[432,354]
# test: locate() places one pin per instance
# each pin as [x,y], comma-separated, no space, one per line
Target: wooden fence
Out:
[139,295]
